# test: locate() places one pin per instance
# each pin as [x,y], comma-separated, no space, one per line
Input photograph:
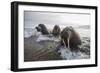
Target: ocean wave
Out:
[67,54]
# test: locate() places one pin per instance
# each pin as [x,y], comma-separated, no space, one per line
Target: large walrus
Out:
[70,38]
[56,30]
[42,28]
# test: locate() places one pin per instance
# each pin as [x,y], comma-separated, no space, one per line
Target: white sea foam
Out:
[31,32]
[46,37]
[27,34]
[66,53]
[43,38]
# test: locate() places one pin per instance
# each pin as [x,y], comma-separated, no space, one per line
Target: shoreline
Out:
[46,50]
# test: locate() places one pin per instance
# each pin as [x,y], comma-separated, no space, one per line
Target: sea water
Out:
[65,53]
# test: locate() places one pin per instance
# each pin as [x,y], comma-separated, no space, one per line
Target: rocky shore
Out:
[45,50]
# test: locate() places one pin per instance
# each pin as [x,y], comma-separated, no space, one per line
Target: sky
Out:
[33,18]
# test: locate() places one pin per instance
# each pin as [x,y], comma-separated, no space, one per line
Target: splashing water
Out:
[66,53]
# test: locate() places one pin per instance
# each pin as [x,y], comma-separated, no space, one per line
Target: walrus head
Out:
[38,29]
[42,28]
[56,30]
[66,33]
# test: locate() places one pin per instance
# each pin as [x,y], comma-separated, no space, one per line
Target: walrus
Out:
[42,28]
[56,30]
[70,38]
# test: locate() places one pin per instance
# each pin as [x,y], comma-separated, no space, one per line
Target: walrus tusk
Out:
[69,39]
[64,43]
